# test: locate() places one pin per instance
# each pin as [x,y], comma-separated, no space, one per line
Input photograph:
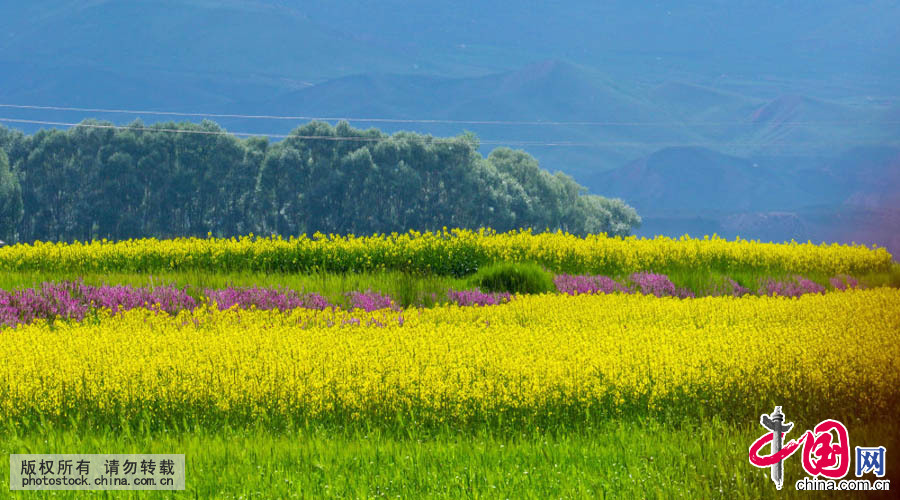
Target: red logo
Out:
[826,448]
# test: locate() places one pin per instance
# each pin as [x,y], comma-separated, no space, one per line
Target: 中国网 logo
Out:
[825,455]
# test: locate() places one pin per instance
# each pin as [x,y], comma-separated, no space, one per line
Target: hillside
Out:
[698,180]
[465,37]
[606,124]
[850,198]
[751,104]
[469,61]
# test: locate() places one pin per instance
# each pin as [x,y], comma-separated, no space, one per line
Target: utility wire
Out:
[598,144]
[430,121]
[149,129]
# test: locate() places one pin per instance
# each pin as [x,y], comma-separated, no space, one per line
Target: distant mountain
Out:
[593,123]
[795,121]
[716,106]
[29,83]
[239,40]
[853,197]
[548,91]
[610,124]
[692,180]
[286,44]
[692,101]
[872,175]
[803,38]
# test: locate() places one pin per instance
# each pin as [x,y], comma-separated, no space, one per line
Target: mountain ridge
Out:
[792,89]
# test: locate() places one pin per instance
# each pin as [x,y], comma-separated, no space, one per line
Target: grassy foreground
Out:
[407,288]
[612,460]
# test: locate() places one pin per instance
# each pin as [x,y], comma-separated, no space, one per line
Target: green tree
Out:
[190,179]
[11,208]
[48,177]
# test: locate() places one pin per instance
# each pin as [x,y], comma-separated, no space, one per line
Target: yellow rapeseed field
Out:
[829,355]
[444,252]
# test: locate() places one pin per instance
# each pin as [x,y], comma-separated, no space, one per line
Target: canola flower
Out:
[456,251]
[541,356]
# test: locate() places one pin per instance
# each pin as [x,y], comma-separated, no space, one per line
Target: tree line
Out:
[87,183]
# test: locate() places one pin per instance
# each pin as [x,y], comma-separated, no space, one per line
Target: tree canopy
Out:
[137,181]
[11,210]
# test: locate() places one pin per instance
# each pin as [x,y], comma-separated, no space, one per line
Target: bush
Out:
[514,278]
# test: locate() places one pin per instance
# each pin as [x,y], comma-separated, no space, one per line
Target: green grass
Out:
[699,280]
[889,278]
[514,277]
[406,288]
[612,460]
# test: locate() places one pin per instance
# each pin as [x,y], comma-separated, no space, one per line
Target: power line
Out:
[154,129]
[250,134]
[430,121]
[241,134]
[598,144]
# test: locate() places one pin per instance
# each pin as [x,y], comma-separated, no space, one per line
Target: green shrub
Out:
[514,278]
[890,278]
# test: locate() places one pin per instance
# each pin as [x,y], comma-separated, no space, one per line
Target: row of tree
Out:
[183,179]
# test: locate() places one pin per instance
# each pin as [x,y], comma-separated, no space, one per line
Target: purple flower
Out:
[645,283]
[794,287]
[843,282]
[477,298]
[73,299]
[736,289]
[371,301]
[659,285]
[266,299]
[162,298]
[580,284]
[728,287]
